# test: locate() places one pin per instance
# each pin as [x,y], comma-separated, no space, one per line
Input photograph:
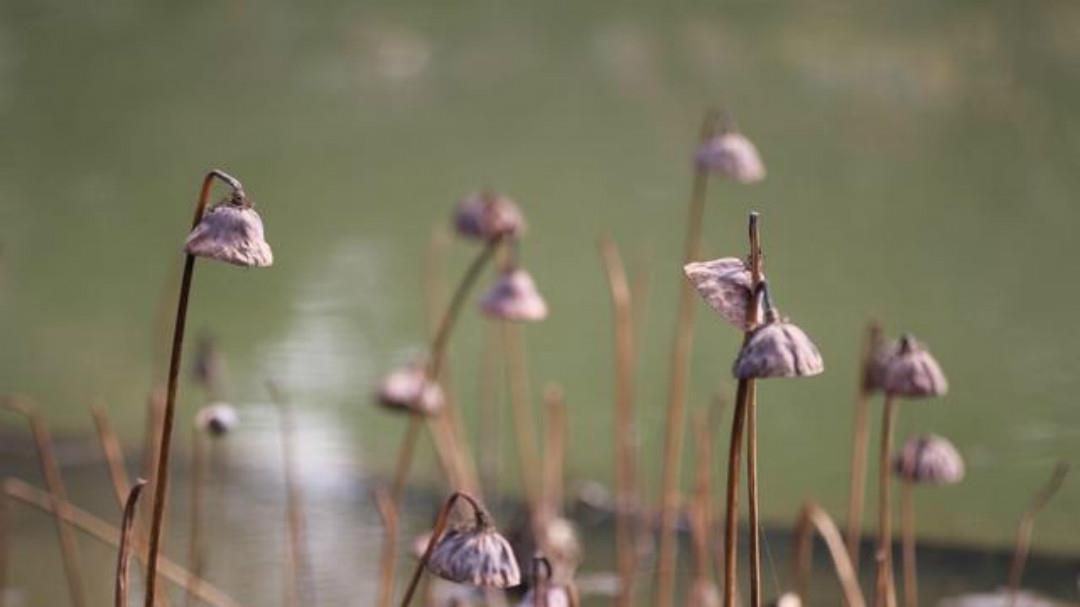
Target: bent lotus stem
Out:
[745,401]
[389,549]
[860,440]
[126,529]
[50,470]
[161,476]
[885,592]
[436,533]
[813,517]
[1027,524]
[680,371]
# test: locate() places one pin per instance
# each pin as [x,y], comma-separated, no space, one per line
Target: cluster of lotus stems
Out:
[464,545]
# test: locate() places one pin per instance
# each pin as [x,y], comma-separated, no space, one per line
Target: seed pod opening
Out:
[929,459]
[514,297]
[725,284]
[487,215]
[231,232]
[733,156]
[217,419]
[912,372]
[476,555]
[409,389]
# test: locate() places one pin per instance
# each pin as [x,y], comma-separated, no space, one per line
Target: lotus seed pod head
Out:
[476,555]
[231,232]
[788,599]
[514,297]
[778,349]
[733,156]
[929,459]
[555,595]
[217,419]
[725,284]
[912,371]
[487,216]
[703,593]
[409,389]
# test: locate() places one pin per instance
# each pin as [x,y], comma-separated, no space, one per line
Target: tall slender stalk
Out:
[161,476]
[124,556]
[674,433]
[745,403]
[701,513]
[907,534]
[388,556]
[885,593]
[810,517]
[554,452]
[625,435]
[860,442]
[1027,523]
[50,470]
[528,453]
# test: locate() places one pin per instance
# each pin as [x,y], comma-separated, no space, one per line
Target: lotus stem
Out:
[521,405]
[109,535]
[680,372]
[701,513]
[1027,524]
[907,533]
[387,558]
[554,452]
[161,476]
[436,532]
[885,593]
[810,517]
[860,441]
[124,556]
[624,432]
[50,470]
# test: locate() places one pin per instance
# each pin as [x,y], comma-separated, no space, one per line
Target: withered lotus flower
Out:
[912,372]
[725,284]
[733,156]
[409,389]
[487,216]
[929,459]
[514,297]
[477,555]
[777,348]
[217,419]
[231,232]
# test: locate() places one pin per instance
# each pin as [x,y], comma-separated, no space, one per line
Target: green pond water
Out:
[922,170]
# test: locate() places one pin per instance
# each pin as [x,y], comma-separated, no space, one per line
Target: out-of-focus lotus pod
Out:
[703,593]
[487,215]
[912,372]
[217,419]
[733,156]
[725,284]
[788,599]
[554,595]
[562,544]
[409,389]
[929,459]
[231,232]
[778,349]
[476,555]
[514,297]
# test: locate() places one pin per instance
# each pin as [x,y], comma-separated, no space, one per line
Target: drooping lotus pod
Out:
[476,555]
[733,156]
[487,216]
[514,297]
[408,388]
[217,419]
[929,459]
[912,372]
[726,285]
[777,348]
[231,232]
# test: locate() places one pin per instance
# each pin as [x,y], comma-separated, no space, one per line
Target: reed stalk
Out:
[813,517]
[860,442]
[161,476]
[388,556]
[907,534]
[123,558]
[682,344]
[745,405]
[436,532]
[624,437]
[885,592]
[196,550]
[50,471]
[1027,524]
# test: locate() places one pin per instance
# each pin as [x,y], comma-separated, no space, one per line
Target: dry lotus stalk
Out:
[912,372]
[476,555]
[409,389]
[929,459]
[777,349]
[514,297]
[231,232]
[733,156]
[725,284]
[488,216]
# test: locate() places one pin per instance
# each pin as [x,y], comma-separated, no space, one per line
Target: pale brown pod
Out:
[733,156]
[777,349]
[217,419]
[409,389]
[488,215]
[912,372]
[725,284]
[514,297]
[929,459]
[231,232]
[476,555]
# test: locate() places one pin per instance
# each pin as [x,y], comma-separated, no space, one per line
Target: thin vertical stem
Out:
[50,470]
[554,451]
[682,344]
[404,458]
[907,532]
[161,475]
[884,591]
[110,446]
[752,496]
[388,513]
[195,541]
[860,442]
[1027,524]
[521,405]
[124,557]
[701,513]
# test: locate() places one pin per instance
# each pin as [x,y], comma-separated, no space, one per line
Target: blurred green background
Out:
[922,171]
